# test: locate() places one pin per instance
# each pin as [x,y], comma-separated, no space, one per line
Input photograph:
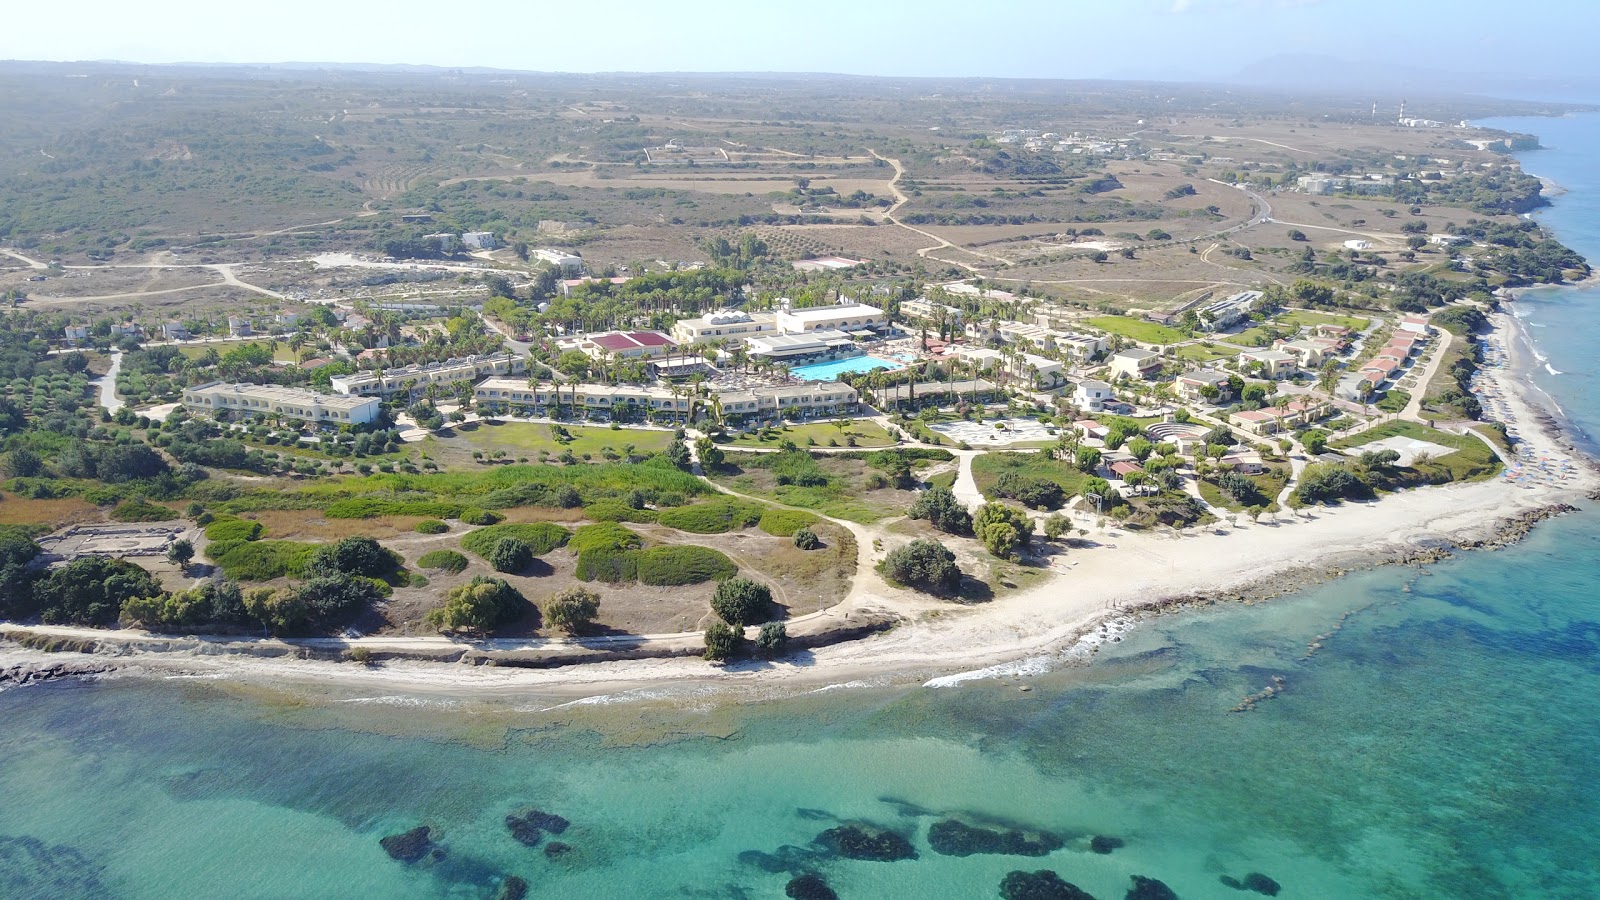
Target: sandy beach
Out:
[1091,593]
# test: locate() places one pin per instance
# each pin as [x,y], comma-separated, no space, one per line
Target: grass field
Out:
[281,354]
[867,434]
[1270,483]
[987,469]
[526,439]
[1303,319]
[1472,461]
[1137,329]
[1202,354]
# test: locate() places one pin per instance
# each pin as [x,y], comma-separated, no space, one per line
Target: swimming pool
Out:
[830,371]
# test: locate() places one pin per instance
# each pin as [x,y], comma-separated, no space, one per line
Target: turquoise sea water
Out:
[1442,741]
[830,371]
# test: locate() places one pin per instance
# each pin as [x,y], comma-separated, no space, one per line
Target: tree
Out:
[180,553]
[90,590]
[923,565]
[1057,526]
[1141,448]
[510,555]
[1296,234]
[478,606]
[572,610]
[723,642]
[711,456]
[806,539]
[1004,530]
[1088,459]
[940,508]
[24,463]
[678,454]
[574,363]
[352,556]
[742,601]
[772,640]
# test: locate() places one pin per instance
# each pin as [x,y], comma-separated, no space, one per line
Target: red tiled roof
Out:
[650,339]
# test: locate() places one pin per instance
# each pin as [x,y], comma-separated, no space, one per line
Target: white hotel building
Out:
[383,382]
[276,400]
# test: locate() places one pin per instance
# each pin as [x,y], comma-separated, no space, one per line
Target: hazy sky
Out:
[1002,38]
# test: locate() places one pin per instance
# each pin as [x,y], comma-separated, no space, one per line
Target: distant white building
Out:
[731,324]
[1357,244]
[1092,395]
[568,263]
[383,382]
[1135,364]
[276,400]
[1229,311]
[843,316]
[480,240]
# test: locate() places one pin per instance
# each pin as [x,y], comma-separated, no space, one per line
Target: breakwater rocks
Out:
[1510,531]
[13,676]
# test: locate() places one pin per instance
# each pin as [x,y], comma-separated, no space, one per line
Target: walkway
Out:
[108,384]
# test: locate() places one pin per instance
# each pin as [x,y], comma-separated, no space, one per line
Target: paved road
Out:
[108,384]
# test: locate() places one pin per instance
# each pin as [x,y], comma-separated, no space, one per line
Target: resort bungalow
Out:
[1122,468]
[1092,395]
[938,392]
[983,358]
[1330,330]
[1415,324]
[1192,386]
[1245,462]
[1089,428]
[1042,372]
[1308,355]
[1135,364]
[1380,370]
[1273,364]
[1259,422]
[1080,348]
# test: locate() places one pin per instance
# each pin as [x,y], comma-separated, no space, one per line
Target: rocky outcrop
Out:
[1149,889]
[31,868]
[13,676]
[513,888]
[862,841]
[556,850]
[530,827]
[410,846]
[809,887]
[1041,885]
[953,837]
[1255,881]
[1104,844]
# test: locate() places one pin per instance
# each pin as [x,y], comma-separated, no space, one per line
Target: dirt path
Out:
[32,263]
[1413,410]
[900,199]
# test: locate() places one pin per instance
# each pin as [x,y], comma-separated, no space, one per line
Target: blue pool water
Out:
[830,371]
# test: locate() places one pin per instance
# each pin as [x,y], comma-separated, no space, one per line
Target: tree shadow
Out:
[972,590]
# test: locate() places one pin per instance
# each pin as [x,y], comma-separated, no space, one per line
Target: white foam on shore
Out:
[397,700]
[1109,631]
[842,686]
[1551,369]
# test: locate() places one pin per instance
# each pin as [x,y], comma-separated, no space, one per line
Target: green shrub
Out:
[478,606]
[806,539]
[510,555]
[432,526]
[785,522]
[742,601]
[443,560]
[609,565]
[572,610]
[138,510]
[711,517]
[722,642]
[480,517]
[604,536]
[617,511]
[541,537]
[682,565]
[261,560]
[232,528]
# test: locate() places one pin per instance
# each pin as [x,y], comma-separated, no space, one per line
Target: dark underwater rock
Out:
[514,888]
[1261,884]
[953,837]
[1041,885]
[1149,889]
[31,868]
[1230,881]
[408,846]
[529,828]
[788,858]
[1102,844]
[556,849]
[815,815]
[907,808]
[866,842]
[809,887]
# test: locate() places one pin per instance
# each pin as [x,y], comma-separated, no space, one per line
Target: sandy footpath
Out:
[1092,592]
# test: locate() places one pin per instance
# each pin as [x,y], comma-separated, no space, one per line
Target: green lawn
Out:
[866,433]
[1138,329]
[527,438]
[1259,336]
[1472,461]
[281,354]
[1303,319]
[987,469]
[1200,354]
[1270,483]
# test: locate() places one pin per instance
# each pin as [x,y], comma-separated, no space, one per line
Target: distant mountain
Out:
[1312,72]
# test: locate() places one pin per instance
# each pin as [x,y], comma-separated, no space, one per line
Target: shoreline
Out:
[1090,596]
